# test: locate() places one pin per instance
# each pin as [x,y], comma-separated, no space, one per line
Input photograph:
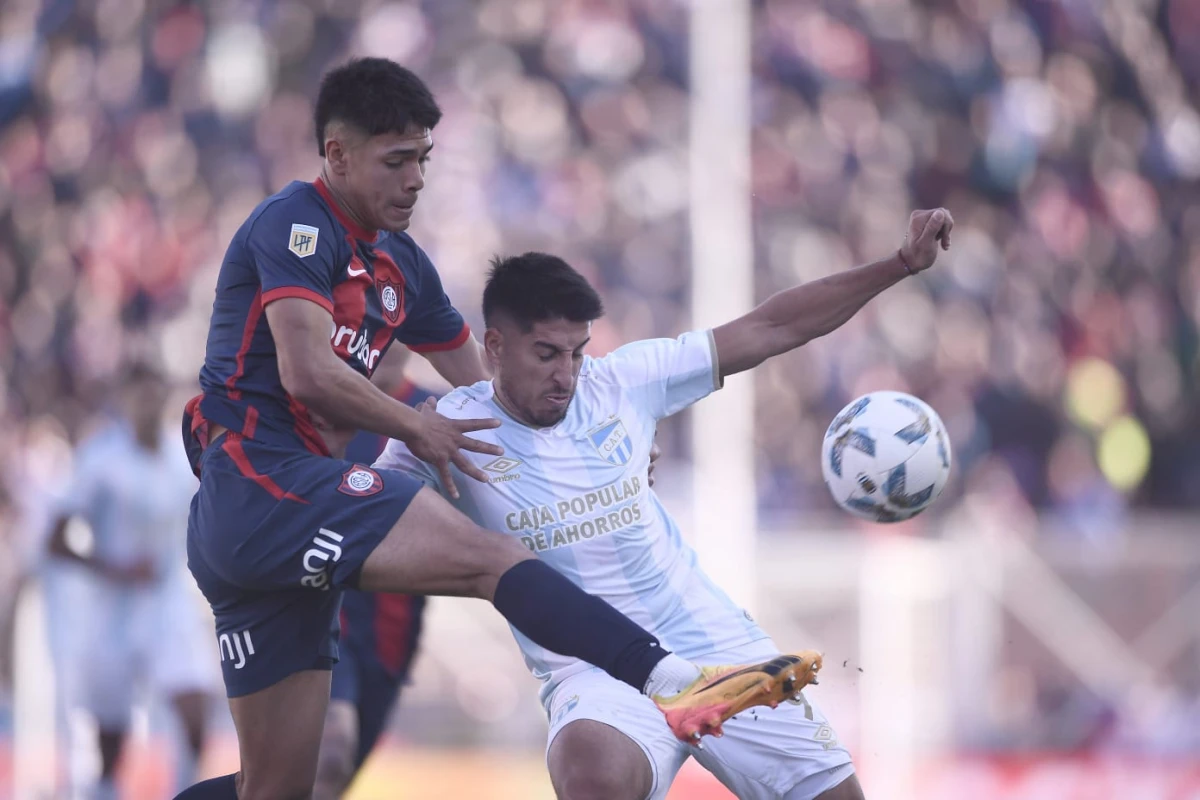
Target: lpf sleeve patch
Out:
[360,481]
[303,240]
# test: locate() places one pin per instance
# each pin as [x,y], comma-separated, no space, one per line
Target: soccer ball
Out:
[886,457]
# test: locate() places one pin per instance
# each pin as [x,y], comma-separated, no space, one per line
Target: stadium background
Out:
[1033,636]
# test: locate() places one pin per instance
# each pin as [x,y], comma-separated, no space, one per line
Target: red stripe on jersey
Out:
[305,429]
[251,423]
[252,318]
[393,625]
[437,347]
[356,230]
[350,306]
[297,291]
[233,446]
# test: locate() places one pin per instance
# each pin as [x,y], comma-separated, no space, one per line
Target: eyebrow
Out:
[558,349]
[406,150]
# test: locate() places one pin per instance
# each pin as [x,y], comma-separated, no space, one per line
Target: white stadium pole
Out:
[724,521]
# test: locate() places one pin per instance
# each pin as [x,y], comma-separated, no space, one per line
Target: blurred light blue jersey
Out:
[577,495]
[135,500]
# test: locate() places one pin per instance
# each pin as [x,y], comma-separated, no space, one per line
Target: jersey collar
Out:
[356,230]
[560,428]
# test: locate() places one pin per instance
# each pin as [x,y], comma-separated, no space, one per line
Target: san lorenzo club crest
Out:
[391,297]
[360,481]
[613,442]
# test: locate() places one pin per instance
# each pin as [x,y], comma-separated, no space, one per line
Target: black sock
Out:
[222,788]
[558,615]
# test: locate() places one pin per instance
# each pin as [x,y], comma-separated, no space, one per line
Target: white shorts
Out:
[157,638]
[765,753]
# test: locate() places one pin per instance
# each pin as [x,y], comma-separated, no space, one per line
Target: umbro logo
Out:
[502,466]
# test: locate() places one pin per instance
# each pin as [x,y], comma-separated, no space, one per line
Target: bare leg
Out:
[433,549]
[192,709]
[112,742]
[279,736]
[593,761]
[339,747]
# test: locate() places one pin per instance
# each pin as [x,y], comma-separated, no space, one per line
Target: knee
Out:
[496,555]
[581,780]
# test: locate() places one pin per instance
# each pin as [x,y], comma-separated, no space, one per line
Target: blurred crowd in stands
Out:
[1058,340]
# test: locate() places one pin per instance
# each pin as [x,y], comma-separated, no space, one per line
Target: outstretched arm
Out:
[798,315]
[312,373]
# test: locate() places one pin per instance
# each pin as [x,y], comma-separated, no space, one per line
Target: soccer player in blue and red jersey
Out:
[314,288]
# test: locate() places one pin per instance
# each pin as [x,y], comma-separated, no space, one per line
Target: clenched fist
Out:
[926,229]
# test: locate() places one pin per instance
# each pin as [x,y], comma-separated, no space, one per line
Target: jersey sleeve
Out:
[294,251]
[665,376]
[434,323]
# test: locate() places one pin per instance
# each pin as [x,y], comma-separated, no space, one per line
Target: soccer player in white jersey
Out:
[571,485]
[143,624]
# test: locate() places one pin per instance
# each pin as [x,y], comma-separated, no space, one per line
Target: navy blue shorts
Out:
[274,534]
[379,636]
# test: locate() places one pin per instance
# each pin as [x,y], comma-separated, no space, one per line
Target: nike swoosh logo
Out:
[354,273]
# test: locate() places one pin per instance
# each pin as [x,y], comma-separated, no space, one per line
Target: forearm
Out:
[346,400]
[798,315]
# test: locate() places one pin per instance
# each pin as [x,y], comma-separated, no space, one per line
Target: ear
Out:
[493,346]
[335,150]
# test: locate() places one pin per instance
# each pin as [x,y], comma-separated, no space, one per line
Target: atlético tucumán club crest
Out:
[391,297]
[360,481]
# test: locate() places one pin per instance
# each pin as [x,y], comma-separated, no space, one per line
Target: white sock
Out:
[670,676]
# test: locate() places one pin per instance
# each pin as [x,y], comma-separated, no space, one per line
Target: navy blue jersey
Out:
[378,286]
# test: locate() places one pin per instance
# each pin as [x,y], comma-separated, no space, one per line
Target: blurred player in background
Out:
[139,622]
[577,434]
[314,288]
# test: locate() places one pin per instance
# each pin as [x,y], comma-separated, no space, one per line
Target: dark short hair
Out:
[375,96]
[535,287]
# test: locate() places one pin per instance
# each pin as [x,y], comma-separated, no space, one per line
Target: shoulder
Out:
[408,255]
[295,210]
[468,402]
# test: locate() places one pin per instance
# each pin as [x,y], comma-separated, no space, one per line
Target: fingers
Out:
[947,226]
[465,425]
[467,468]
[476,446]
[933,226]
[430,402]
[447,480]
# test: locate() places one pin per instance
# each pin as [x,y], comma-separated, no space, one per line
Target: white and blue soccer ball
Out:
[886,457]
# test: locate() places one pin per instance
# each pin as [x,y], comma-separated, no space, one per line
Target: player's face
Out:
[383,175]
[536,370]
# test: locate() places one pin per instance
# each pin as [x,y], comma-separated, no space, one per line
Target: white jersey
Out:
[576,494]
[136,501]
